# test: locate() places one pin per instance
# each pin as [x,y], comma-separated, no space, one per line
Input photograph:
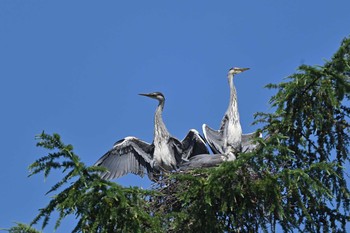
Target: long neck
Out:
[232,107]
[160,130]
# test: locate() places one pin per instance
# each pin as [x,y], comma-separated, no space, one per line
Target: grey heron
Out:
[132,155]
[229,140]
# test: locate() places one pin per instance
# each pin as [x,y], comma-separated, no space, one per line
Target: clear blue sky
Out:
[76,67]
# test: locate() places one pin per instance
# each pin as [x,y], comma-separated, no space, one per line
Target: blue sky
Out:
[76,67]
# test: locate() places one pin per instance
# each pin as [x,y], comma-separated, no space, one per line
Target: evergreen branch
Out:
[21,228]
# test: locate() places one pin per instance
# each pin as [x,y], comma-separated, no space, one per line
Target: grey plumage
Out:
[203,161]
[132,155]
[129,155]
[229,140]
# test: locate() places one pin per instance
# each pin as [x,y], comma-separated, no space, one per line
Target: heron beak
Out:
[143,94]
[244,69]
[147,95]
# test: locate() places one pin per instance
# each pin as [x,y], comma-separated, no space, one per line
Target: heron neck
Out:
[160,130]
[233,108]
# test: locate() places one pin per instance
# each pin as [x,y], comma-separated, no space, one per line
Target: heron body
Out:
[228,140]
[161,142]
[165,153]
[233,129]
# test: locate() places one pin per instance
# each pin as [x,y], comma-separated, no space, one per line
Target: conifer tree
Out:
[295,180]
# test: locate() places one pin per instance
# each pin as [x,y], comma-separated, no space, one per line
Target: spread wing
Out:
[214,139]
[177,149]
[129,155]
[248,143]
[202,161]
[193,144]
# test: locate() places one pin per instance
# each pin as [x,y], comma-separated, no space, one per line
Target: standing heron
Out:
[229,140]
[132,155]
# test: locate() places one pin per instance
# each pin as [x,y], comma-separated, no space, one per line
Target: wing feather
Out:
[214,139]
[129,155]
[193,144]
[177,148]
[202,161]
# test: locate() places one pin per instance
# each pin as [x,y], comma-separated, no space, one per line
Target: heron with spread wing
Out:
[229,140]
[132,155]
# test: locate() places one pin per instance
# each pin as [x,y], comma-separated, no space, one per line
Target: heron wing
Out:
[248,143]
[176,146]
[202,161]
[193,144]
[129,155]
[214,139]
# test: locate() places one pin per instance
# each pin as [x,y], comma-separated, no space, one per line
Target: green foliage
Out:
[295,179]
[312,110]
[21,228]
[99,205]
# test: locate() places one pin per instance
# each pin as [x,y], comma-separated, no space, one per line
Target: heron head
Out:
[236,70]
[155,95]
